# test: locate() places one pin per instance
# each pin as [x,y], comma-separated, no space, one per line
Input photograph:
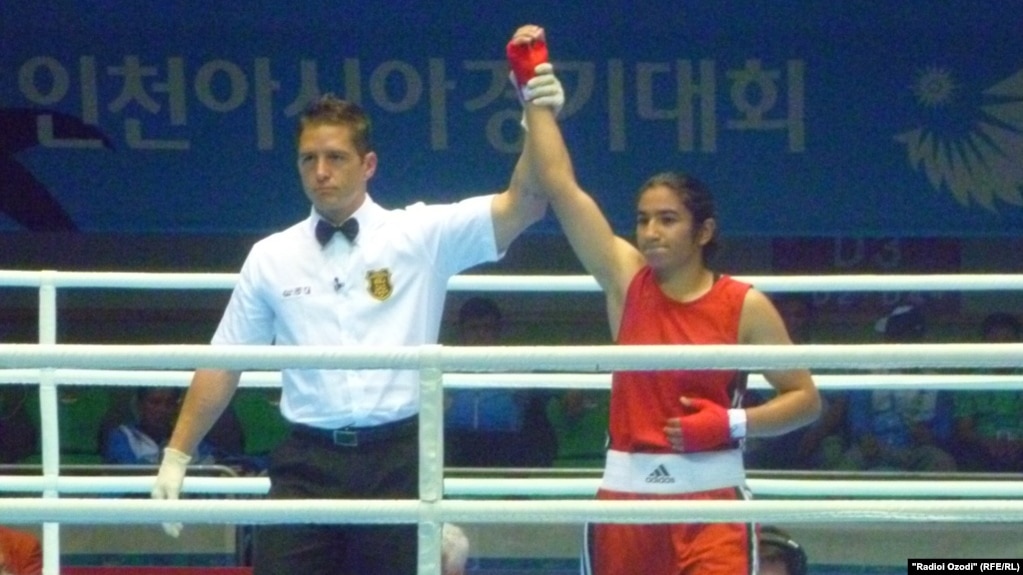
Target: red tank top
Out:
[641,401]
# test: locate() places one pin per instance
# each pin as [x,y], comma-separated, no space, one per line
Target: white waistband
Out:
[666,473]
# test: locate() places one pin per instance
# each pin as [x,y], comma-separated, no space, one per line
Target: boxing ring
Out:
[49,364]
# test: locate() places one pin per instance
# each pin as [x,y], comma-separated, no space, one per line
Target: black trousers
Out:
[305,467]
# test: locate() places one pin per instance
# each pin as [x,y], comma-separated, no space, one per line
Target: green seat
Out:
[581,431]
[259,413]
[80,412]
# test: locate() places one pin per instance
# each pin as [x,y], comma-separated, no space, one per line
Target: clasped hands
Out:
[531,72]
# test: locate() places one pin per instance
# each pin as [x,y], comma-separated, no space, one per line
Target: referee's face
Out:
[333,173]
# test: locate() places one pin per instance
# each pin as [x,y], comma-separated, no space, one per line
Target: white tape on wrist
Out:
[737,423]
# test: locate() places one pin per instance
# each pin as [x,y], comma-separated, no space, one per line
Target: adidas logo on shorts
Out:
[660,475]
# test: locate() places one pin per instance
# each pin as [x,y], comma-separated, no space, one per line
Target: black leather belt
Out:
[356,436]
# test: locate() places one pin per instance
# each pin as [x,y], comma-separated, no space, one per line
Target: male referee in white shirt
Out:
[352,273]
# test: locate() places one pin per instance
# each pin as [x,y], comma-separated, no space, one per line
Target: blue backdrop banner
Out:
[869,118]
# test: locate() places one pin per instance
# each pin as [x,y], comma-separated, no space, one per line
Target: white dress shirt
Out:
[387,288]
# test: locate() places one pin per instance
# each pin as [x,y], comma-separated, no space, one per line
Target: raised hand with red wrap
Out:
[526,50]
[531,73]
[704,426]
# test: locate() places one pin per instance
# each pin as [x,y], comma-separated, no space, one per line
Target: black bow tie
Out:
[324,230]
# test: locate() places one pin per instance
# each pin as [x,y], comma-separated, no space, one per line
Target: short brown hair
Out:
[331,110]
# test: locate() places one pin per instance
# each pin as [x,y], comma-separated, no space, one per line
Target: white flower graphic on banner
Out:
[984,161]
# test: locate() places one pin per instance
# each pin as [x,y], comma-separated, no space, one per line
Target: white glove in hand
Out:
[169,480]
[544,89]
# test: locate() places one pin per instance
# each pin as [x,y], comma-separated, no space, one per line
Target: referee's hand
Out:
[169,480]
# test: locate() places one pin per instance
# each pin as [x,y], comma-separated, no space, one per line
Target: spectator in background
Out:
[20,553]
[19,437]
[905,430]
[141,440]
[488,427]
[454,550]
[799,313]
[1001,327]
[226,439]
[780,554]
[823,441]
[988,423]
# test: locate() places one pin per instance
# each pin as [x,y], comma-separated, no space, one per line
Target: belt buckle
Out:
[346,438]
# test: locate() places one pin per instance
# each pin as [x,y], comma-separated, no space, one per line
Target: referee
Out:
[351,273]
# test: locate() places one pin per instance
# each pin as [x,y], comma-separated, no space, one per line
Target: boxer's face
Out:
[666,233]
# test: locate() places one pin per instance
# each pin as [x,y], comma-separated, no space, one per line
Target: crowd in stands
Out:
[907,430]
[859,430]
[110,426]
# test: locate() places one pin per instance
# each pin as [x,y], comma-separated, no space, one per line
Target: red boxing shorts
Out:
[670,548]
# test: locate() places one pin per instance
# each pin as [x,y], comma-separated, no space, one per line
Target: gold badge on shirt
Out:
[379,283]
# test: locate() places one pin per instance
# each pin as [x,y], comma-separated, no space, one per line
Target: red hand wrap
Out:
[524,58]
[704,426]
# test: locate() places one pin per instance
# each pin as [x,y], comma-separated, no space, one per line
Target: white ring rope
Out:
[456,487]
[272,379]
[535,283]
[594,358]
[332,511]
